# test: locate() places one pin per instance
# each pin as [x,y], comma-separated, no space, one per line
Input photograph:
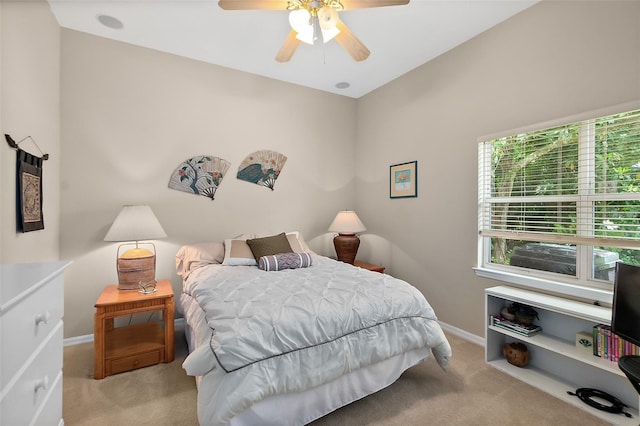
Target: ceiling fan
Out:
[311,20]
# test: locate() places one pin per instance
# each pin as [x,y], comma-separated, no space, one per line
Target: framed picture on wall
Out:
[403,180]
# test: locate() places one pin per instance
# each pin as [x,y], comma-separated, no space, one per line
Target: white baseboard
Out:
[462,334]
[70,341]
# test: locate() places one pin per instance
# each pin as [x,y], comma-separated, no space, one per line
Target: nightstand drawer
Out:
[31,389]
[132,362]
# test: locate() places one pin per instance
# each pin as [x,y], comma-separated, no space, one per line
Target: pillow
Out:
[244,236]
[295,238]
[194,256]
[300,245]
[278,262]
[294,242]
[267,246]
[238,253]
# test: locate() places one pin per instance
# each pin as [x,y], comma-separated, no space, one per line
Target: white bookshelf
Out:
[557,365]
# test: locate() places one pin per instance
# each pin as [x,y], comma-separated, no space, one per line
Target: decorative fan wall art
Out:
[262,168]
[200,175]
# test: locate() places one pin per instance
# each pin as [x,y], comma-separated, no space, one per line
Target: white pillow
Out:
[194,256]
[297,242]
[238,253]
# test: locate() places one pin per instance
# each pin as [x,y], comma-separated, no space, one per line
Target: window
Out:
[561,204]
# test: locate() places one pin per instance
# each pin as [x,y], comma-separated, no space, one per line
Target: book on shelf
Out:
[607,344]
[521,329]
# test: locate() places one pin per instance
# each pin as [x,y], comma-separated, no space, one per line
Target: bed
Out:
[283,339]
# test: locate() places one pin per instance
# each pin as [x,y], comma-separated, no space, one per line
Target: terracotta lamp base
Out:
[346,246]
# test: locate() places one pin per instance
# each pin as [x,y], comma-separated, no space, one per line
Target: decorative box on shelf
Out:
[584,341]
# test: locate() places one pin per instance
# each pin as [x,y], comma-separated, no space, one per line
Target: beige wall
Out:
[553,60]
[131,115]
[30,106]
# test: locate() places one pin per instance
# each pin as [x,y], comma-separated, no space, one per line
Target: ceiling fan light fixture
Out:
[306,36]
[308,28]
[328,35]
[314,11]
[300,21]
[328,17]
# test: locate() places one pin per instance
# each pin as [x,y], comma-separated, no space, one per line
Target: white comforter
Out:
[287,331]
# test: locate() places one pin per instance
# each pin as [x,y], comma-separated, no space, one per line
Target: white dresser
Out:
[31,309]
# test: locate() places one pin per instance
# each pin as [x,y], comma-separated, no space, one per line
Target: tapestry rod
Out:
[13,144]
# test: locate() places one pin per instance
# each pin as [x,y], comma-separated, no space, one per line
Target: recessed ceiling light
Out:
[343,85]
[110,21]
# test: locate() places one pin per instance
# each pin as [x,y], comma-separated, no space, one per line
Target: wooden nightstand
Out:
[119,349]
[369,266]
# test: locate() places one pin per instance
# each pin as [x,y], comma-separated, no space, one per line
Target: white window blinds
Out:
[577,184]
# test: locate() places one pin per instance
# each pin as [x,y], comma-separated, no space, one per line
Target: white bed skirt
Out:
[304,407]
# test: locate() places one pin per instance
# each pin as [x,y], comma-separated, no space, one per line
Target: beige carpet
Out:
[470,393]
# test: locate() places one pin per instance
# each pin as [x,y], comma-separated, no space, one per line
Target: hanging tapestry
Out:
[200,175]
[29,192]
[262,168]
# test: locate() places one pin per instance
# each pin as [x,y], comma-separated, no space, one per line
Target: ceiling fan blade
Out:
[253,4]
[361,4]
[351,43]
[288,48]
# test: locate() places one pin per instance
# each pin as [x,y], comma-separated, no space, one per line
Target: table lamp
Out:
[137,266]
[346,243]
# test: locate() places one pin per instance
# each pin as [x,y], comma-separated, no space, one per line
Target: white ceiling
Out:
[400,38]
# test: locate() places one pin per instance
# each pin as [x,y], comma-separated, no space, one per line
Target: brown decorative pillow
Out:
[268,246]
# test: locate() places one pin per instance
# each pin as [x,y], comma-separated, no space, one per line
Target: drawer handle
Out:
[41,384]
[44,318]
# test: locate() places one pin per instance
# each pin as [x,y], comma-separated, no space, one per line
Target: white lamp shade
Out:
[135,223]
[347,222]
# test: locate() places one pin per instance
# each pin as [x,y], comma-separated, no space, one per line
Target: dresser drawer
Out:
[32,388]
[51,413]
[25,326]
[120,365]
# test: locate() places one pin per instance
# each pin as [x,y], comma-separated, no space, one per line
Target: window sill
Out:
[572,291]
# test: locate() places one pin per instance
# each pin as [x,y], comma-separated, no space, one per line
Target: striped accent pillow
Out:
[278,262]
